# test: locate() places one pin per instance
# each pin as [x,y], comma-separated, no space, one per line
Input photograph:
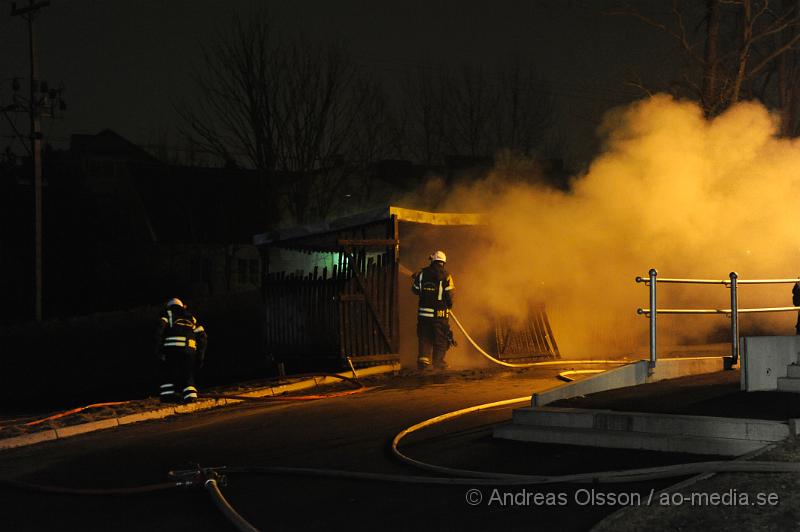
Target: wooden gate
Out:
[368,307]
[533,340]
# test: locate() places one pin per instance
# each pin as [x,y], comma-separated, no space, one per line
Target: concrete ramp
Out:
[641,430]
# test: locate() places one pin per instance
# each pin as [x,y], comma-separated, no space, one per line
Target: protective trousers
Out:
[432,334]
[177,370]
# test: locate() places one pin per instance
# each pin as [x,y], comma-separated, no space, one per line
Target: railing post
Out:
[653,313]
[734,319]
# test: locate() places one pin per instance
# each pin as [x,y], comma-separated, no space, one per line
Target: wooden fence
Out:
[321,318]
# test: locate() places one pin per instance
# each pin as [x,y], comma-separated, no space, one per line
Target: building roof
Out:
[323,236]
[110,145]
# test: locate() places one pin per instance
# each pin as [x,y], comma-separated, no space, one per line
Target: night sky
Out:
[124,62]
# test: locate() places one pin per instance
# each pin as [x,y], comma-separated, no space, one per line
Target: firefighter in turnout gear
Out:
[434,286]
[181,349]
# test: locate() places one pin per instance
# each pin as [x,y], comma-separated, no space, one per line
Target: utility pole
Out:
[29,12]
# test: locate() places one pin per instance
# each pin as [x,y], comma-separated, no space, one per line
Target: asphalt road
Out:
[349,433]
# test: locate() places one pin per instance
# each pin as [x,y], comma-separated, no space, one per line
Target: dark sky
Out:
[124,61]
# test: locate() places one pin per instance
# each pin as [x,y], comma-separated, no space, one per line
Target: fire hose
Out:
[359,388]
[480,350]
[527,364]
[209,478]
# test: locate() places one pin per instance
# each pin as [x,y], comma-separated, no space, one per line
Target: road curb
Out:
[164,412]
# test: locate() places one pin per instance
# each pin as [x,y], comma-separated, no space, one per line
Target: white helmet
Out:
[175,302]
[439,255]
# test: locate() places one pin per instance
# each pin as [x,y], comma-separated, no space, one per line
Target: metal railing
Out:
[733,312]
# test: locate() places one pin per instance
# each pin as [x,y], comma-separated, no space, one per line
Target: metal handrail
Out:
[683,281]
[769,281]
[726,311]
[646,281]
[652,280]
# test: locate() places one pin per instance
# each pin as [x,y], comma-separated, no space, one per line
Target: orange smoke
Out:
[671,190]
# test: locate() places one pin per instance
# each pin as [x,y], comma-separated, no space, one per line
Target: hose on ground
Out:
[136,490]
[72,411]
[225,507]
[566,376]
[278,398]
[630,475]
[210,484]
[527,364]
[352,380]
[360,388]
[465,477]
[460,476]
[480,350]
[509,479]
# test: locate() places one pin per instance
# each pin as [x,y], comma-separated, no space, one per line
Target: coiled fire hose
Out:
[210,479]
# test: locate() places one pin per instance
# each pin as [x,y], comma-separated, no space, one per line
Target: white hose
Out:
[628,475]
[500,479]
[480,350]
[484,353]
[469,477]
[528,364]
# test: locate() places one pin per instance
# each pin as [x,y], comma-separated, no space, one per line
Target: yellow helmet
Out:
[175,302]
[439,255]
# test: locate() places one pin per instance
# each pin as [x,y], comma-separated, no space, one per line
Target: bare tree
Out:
[526,110]
[334,121]
[299,112]
[424,104]
[469,111]
[733,57]
[474,113]
[236,93]
[787,71]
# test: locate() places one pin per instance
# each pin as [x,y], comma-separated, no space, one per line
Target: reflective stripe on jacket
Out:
[434,286]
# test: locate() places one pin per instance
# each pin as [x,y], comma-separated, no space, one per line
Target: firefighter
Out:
[434,286]
[181,349]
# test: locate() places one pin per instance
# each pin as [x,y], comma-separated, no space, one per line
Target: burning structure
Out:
[337,290]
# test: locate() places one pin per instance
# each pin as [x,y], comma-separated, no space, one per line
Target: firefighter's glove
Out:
[451,342]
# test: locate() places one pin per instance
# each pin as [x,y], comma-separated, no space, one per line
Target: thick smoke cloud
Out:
[671,190]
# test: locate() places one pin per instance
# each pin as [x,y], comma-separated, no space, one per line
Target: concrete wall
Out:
[622,377]
[631,375]
[672,368]
[764,360]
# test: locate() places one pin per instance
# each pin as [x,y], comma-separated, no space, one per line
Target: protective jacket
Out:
[434,286]
[181,346]
[179,330]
